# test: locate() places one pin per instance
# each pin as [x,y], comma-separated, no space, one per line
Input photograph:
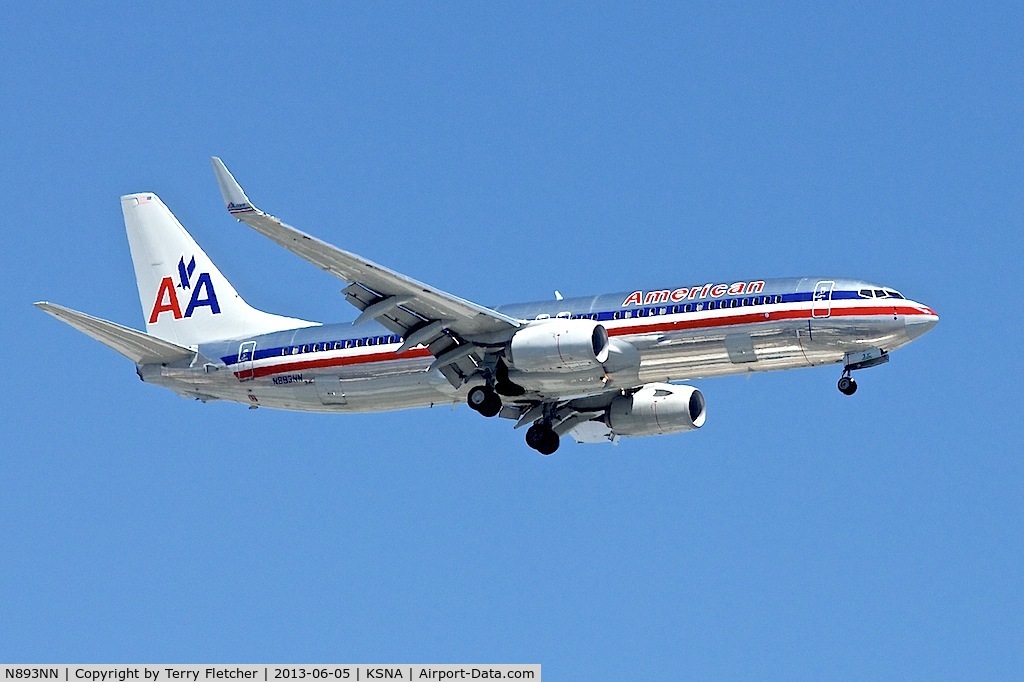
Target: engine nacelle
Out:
[559,345]
[656,409]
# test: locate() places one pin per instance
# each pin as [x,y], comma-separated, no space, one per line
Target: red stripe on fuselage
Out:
[334,362]
[755,318]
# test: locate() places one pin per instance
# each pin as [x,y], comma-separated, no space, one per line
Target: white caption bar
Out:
[327,672]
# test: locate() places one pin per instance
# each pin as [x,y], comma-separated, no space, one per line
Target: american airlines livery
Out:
[596,368]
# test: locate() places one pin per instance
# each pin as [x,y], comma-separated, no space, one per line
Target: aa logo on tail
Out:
[202,295]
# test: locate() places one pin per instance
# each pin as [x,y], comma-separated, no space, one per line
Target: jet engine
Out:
[656,409]
[559,345]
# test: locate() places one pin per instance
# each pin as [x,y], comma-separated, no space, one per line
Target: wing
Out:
[131,343]
[456,331]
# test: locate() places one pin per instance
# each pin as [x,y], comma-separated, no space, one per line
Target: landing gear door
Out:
[821,300]
[246,354]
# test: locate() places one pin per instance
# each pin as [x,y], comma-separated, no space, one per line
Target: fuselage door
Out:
[821,300]
[246,354]
[330,391]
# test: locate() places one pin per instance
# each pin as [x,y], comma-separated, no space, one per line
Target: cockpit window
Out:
[866,293]
[893,293]
[879,293]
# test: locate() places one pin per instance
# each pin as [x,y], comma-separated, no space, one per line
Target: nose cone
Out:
[921,323]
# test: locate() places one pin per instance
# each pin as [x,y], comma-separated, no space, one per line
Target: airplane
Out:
[596,368]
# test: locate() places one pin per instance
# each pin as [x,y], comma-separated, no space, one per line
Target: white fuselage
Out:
[785,324]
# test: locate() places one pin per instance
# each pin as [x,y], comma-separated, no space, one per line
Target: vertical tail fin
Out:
[185,298]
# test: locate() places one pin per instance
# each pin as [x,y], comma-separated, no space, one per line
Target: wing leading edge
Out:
[456,331]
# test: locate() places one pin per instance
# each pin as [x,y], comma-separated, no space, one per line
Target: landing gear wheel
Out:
[542,438]
[847,386]
[484,400]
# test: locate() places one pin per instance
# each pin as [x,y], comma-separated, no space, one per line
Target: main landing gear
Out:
[484,400]
[542,438]
[847,386]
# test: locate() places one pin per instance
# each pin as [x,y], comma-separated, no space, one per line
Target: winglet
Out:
[232,192]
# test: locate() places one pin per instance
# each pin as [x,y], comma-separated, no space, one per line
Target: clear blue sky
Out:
[500,153]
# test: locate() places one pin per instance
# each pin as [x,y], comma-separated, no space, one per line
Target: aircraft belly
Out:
[381,393]
[823,338]
[692,354]
[313,391]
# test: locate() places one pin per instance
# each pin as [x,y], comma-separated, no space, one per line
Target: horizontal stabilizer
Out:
[131,343]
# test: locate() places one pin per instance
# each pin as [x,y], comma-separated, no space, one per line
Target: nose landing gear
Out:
[847,386]
[859,360]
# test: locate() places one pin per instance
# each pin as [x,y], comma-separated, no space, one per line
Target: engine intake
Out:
[656,409]
[559,346]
